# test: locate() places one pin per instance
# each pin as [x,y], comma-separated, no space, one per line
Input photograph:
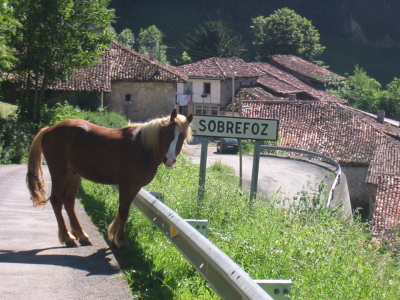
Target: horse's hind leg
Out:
[57,193]
[70,190]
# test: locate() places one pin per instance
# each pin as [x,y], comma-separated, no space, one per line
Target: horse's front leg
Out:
[116,230]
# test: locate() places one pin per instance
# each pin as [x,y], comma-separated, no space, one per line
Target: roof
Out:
[386,159]
[386,219]
[303,68]
[222,68]
[282,82]
[327,128]
[269,77]
[255,93]
[118,63]
[127,64]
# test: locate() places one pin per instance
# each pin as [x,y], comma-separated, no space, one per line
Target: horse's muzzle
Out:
[169,163]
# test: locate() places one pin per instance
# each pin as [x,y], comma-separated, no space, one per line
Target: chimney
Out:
[151,54]
[380,116]
[292,96]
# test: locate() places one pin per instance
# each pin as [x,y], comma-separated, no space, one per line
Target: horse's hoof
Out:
[120,245]
[71,244]
[85,242]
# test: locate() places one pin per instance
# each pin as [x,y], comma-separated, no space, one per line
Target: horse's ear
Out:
[189,118]
[173,115]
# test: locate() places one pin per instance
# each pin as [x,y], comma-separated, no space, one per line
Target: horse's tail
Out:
[34,177]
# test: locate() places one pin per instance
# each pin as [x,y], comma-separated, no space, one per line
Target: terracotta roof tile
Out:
[386,220]
[278,86]
[283,82]
[129,65]
[255,93]
[302,68]
[118,63]
[386,159]
[220,68]
[323,127]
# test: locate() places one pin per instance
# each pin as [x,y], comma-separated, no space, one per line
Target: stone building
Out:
[124,80]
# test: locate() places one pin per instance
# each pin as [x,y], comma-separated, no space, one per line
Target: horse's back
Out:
[90,150]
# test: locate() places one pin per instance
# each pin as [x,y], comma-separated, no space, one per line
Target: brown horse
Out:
[128,158]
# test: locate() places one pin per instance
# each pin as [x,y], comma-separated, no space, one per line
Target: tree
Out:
[57,36]
[364,92]
[285,32]
[126,38]
[8,25]
[360,90]
[150,39]
[215,39]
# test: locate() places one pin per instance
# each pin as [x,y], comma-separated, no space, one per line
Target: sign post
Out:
[256,167]
[203,167]
[233,127]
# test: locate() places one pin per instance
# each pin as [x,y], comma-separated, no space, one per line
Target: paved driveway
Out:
[281,175]
[34,265]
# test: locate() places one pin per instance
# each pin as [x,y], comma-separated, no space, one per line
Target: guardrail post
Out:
[279,289]
[158,195]
[200,225]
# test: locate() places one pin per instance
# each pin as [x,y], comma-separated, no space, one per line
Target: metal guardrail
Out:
[311,153]
[224,275]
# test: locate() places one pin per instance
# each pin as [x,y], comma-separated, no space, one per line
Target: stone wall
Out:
[239,82]
[148,100]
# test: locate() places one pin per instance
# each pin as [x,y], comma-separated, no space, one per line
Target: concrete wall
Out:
[358,188]
[148,100]
[341,196]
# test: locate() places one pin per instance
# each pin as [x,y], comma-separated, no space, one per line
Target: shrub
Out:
[16,134]
[15,138]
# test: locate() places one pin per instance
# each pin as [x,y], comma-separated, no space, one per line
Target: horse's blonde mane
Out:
[150,131]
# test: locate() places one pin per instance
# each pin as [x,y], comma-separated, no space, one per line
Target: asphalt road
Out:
[34,265]
[280,176]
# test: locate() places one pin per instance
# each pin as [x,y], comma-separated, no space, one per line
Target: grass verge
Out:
[327,258]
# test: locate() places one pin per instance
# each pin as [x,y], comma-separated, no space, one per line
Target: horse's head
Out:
[173,136]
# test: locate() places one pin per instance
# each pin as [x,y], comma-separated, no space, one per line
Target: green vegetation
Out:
[150,39]
[214,39]
[326,257]
[125,37]
[7,109]
[47,49]
[365,93]
[285,32]
[8,25]
[16,135]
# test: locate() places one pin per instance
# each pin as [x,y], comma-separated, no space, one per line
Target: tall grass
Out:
[326,257]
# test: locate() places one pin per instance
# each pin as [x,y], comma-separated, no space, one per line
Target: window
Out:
[207,88]
[187,87]
[206,110]
[127,97]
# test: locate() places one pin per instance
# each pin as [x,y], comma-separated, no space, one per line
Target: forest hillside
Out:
[364,33]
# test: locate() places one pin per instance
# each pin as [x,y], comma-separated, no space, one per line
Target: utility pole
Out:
[233,92]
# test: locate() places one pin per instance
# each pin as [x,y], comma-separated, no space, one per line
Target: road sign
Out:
[241,128]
